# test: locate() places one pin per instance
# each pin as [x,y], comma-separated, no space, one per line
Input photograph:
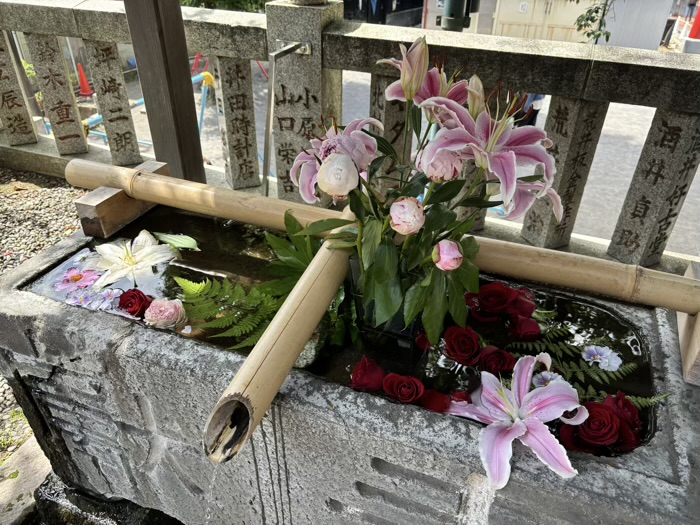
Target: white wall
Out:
[638,23]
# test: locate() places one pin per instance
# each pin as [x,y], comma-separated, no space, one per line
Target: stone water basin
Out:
[119,409]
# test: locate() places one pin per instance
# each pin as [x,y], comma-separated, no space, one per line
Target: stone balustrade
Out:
[582,80]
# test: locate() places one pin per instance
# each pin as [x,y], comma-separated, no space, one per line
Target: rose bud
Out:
[134,302]
[164,313]
[404,389]
[367,375]
[447,255]
[462,345]
[435,401]
[496,361]
[338,176]
[524,329]
[406,216]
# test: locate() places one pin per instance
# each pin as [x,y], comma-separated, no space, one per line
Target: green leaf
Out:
[323,226]
[435,309]
[446,192]
[293,227]
[387,299]
[468,275]
[415,186]
[279,287]
[414,303]
[357,205]
[457,304]
[375,166]
[285,251]
[476,202]
[438,217]
[416,120]
[470,248]
[177,241]
[191,288]
[371,237]
[383,145]
[460,228]
[386,262]
[342,245]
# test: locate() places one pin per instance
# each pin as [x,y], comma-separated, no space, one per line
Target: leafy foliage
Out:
[647,402]
[592,23]
[226,306]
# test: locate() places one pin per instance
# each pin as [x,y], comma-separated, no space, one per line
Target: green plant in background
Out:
[230,5]
[29,71]
[593,22]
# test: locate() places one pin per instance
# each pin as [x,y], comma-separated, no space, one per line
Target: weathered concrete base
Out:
[119,410]
[58,504]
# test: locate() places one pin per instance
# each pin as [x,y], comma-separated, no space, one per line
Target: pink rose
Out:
[439,163]
[406,215]
[164,313]
[447,255]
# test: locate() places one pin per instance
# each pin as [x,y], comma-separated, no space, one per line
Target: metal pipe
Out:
[286,50]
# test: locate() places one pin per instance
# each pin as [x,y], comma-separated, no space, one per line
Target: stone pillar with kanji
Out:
[59,100]
[234,100]
[574,127]
[305,93]
[665,170]
[14,114]
[113,101]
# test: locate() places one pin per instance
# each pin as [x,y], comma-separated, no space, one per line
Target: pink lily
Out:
[434,85]
[413,66]
[495,145]
[350,141]
[522,414]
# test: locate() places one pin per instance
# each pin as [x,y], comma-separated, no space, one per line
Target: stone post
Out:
[13,103]
[113,101]
[234,100]
[393,115]
[305,92]
[59,100]
[574,127]
[661,181]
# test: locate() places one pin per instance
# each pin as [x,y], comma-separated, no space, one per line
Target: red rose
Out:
[134,302]
[524,328]
[405,389]
[367,375]
[524,304]
[495,360]
[472,300]
[462,395]
[435,401]
[422,342]
[603,430]
[496,297]
[625,410]
[462,345]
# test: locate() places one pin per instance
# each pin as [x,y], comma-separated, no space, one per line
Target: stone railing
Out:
[582,80]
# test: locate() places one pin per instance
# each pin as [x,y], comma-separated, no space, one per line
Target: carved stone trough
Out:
[120,408]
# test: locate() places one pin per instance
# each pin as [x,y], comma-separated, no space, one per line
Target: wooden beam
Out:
[158,35]
[104,211]
[689,336]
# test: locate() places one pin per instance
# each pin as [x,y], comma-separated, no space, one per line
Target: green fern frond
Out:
[192,288]
[647,402]
[253,338]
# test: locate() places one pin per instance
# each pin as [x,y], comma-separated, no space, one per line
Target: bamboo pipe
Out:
[192,196]
[589,274]
[248,397]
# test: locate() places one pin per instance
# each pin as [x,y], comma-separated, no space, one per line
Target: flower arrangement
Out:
[415,261]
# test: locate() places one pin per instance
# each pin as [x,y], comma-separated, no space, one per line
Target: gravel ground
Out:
[35,212]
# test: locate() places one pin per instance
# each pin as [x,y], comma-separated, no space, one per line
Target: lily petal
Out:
[111,277]
[547,449]
[307,183]
[496,449]
[110,252]
[496,398]
[143,239]
[526,136]
[580,417]
[556,204]
[548,403]
[394,91]
[502,165]
[522,374]
[470,411]
[450,114]
[534,154]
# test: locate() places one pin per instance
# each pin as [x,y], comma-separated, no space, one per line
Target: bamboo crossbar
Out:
[588,274]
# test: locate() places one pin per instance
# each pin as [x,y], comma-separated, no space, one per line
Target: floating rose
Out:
[462,345]
[404,389]
[135,302]
[496,361]
[435,401]
[165,313]
[524,328]
[75,279]
[367,375]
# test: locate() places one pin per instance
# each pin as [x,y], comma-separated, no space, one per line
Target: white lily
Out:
[133,259]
